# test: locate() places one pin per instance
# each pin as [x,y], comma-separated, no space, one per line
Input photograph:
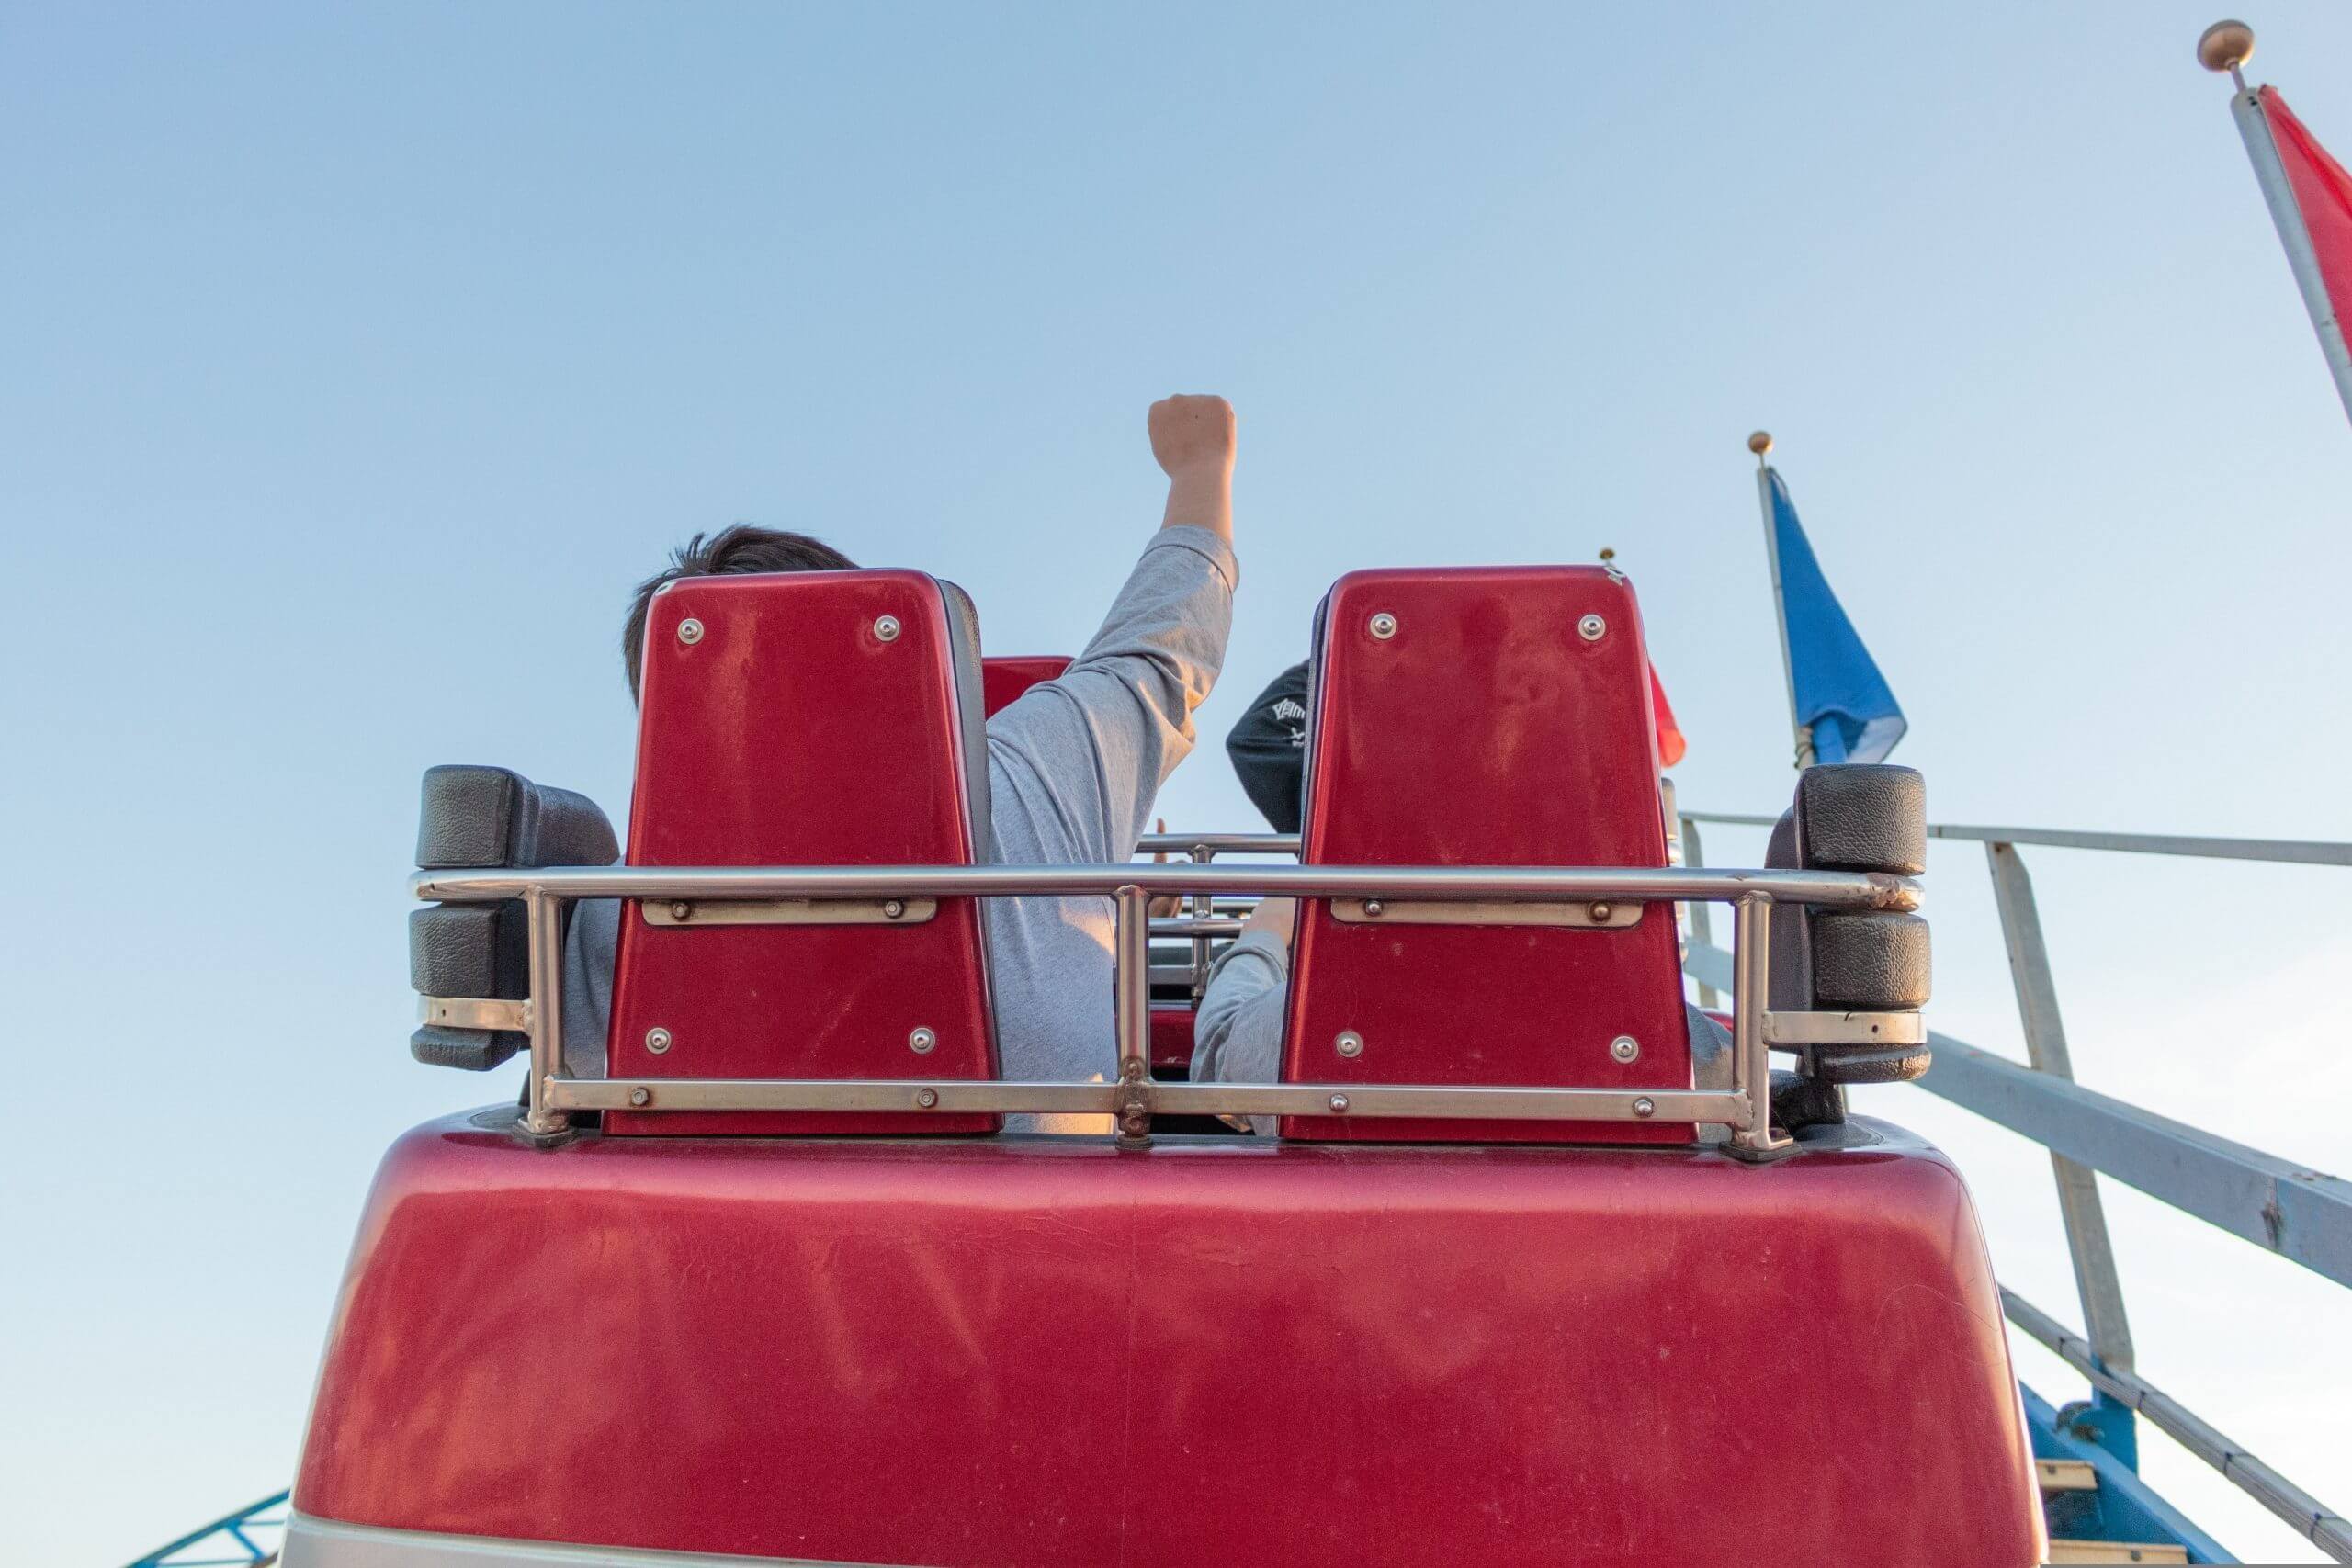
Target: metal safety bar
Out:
[2279,1205]
[1201,849]
[1132,1098]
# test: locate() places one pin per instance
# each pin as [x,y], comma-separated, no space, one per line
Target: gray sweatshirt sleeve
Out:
[1087,751]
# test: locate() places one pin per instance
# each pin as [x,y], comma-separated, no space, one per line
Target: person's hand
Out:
[1191,434]
[1273,915]
[1193,439]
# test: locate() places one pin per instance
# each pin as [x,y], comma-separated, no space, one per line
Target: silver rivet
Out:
[1645,1106]
[682,910]
[690,631]
[1349,1044]
[921,1041]
[1598,912]
[887,629]
[1372,909]
[1592,629]
[893,908]
[1383,626]
[641,1097]
[1339,1102]
[657,1041]
[926,1097]
[1626,1048]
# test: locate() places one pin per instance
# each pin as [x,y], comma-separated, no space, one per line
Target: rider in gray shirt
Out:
[1073,764]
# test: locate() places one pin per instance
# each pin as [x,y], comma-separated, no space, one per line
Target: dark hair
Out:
[746,546]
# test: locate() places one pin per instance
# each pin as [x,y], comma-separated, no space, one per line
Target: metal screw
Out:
[682,910]
[1645,1106]
[1592,629]
[921,1041]
[1372,909]
[887,629]
[1626,1048]
[1383,626]
[1599,912]
[893,908]
[1339,1102]
[926,1097]
[641,1097]
[657,1041]
[1349,1044]
[690,631]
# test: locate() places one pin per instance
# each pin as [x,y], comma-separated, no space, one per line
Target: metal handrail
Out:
[2318,1523]
[2292,1211]
[1133,1098]
[2291,852]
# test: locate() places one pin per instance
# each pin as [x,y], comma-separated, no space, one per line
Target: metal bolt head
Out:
[641,1097]
[2225,45]
[1645,1106]
[1598,912]
[657,1041]
[682,910]
[690,631]
[1383,626]
[1340,1102]
[1349,1044]
[1626,1048]
[1373,908]
[893,908]
[921,1041]
[885,630]
[1592,629]
[927,1097]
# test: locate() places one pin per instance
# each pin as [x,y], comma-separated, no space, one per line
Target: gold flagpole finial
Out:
[1762,444]
[2225,46]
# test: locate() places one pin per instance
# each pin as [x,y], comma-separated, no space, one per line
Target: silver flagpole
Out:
[2226,46]
[1762,444]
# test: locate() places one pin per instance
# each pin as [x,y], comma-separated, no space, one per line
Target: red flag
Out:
[1671,746]
[2310,197]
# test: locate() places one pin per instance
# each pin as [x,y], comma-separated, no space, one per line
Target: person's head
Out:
[743,547]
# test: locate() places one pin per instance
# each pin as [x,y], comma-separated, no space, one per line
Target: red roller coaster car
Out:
[1530,1275]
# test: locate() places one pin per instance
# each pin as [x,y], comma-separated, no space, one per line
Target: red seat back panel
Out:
[1485,730]
[1004,678]
[790,732]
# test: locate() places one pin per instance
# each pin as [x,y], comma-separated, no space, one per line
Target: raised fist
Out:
[1193,435]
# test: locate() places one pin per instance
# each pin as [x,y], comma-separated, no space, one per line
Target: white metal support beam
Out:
[2096,1281]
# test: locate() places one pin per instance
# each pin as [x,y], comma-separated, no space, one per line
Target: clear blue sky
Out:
[354,360]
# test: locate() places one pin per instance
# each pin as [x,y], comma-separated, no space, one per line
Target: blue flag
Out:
[1840,695]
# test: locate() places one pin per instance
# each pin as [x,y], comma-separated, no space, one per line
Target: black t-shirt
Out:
[1269,749]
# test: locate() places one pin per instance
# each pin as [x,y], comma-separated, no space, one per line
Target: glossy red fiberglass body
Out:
[1004,678]
[1483,729]
[788,732]
[1056,1351]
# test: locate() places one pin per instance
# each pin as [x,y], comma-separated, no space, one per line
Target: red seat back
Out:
[1503,719]
[1005,679]
[806,718]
